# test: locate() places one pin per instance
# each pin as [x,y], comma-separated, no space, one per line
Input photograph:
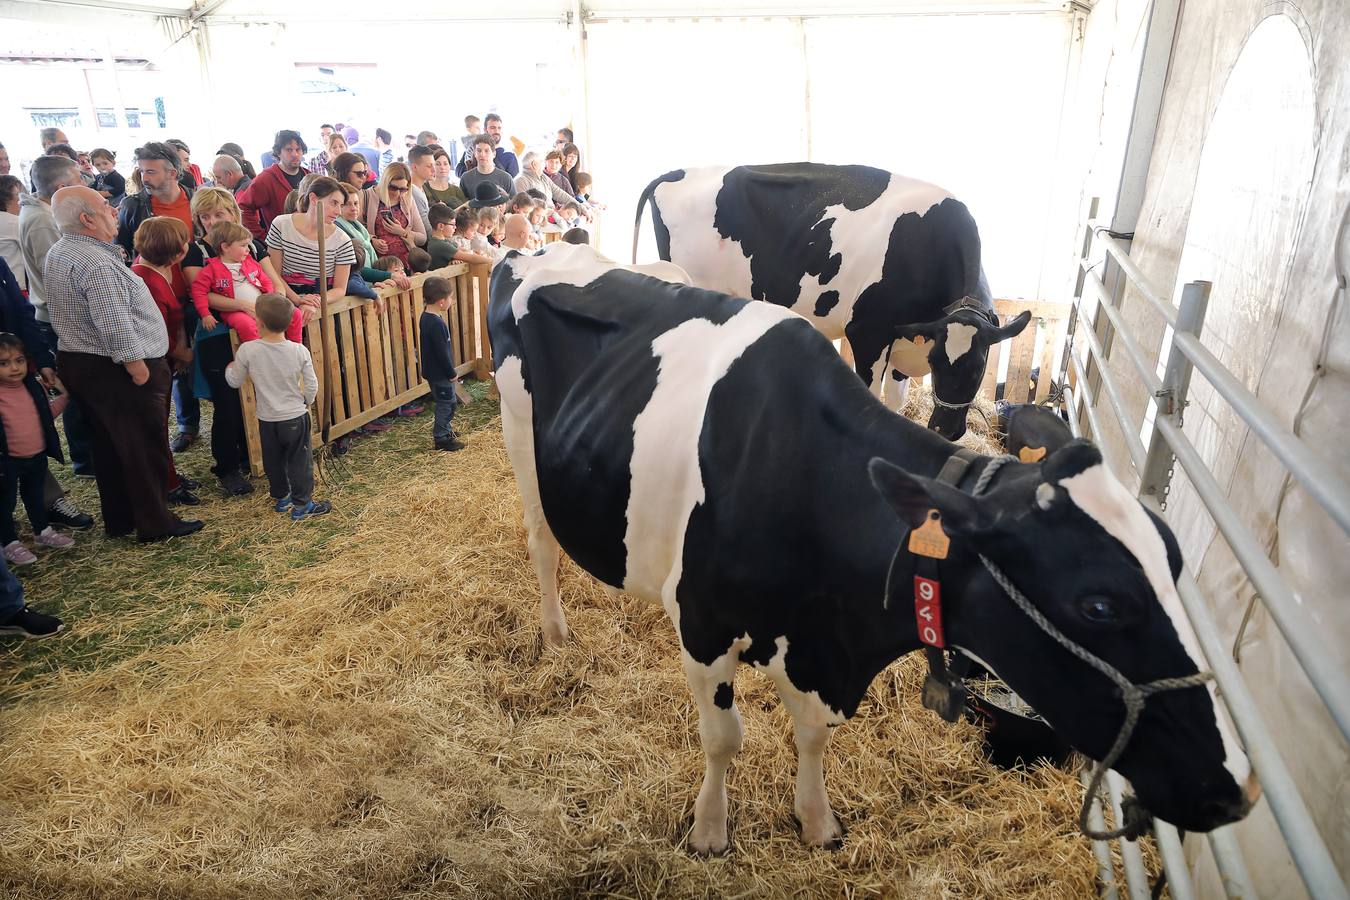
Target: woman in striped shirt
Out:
[293,243]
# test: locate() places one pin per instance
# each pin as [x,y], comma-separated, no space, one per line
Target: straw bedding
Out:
[386,724]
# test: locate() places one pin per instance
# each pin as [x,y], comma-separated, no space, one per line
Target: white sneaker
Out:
[19,555]
[50,537]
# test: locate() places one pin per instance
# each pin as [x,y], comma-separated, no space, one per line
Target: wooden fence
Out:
[1036,346]
[374,358]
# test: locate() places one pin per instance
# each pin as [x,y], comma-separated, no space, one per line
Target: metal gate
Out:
[1092,341]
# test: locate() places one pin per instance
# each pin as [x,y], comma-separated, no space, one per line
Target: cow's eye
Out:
[1099,610]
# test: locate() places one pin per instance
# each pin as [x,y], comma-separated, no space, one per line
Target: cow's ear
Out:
[1013,328]
[912,496]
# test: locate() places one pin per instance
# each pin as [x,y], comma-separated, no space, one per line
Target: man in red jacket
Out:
[265,199]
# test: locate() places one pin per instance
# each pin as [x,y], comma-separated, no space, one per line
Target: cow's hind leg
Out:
[812,805]
[719,728]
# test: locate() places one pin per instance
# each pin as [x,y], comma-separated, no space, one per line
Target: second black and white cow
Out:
[890,262]
[713,454]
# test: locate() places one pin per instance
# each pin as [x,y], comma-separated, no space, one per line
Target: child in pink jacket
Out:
[233,272]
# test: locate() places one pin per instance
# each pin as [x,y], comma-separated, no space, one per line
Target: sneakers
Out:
[182,440]
[18,555]
[377,426]
[451,443]
[50,537]
[29,624]
[181,496]
[408,410]
[312,508]
[341,445]
[282,505]
[188,482]
[234,484]
[63,512]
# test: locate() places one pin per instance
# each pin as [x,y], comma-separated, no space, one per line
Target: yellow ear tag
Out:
[929,539]
[1031,454]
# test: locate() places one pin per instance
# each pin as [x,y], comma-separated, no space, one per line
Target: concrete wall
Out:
[1248,187]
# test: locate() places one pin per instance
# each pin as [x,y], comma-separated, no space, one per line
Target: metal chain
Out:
[1133,696]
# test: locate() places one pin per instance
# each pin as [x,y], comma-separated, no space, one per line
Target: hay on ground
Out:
[388,725]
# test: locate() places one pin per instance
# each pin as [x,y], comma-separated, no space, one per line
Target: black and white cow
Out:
[890,262]
[712,454]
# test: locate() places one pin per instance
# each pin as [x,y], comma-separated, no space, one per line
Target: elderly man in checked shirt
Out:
[110,347]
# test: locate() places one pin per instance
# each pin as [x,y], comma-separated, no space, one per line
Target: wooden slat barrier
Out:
[1048,321]
[374,358]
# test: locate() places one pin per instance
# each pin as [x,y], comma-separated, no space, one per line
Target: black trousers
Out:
[24,476]
[126,439]
[228,446]
[288,459]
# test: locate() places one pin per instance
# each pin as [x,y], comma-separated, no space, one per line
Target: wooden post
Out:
[248,403]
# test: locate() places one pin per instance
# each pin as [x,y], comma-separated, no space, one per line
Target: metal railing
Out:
[1154,465]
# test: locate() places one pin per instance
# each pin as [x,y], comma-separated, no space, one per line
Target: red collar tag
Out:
[928,611]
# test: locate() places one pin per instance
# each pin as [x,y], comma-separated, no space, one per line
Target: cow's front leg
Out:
[518,432]
[819,826]
[719,729]
[896,390]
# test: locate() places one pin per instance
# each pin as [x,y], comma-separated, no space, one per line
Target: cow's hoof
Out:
[555,634]
[824,833]
[710,841]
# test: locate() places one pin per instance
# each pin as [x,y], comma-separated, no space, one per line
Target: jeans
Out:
[77,432]
[228,446]
[443,392]
[288,459]
[24,476]
[11,592]
[187,409]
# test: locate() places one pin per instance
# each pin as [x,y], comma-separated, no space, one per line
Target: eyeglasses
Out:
[394,189]
[362,172]
[559,143]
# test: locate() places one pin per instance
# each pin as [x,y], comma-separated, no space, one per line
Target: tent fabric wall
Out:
[1279,351]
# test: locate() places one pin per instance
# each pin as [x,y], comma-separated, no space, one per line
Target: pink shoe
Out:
[19,555]
[50,537]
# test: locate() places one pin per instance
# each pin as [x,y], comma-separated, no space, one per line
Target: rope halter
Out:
[1134,696]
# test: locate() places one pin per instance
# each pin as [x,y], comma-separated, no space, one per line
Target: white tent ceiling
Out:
[236,11]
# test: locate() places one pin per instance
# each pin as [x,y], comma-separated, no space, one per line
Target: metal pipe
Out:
[1136,876]
[1127,428]
[1173,860]
[1106,874]
[1305,640]
[1318,477]
[1305,843]
[1133,351]
[1070,411]
[1232,868]
[1108,452]
[1121,254]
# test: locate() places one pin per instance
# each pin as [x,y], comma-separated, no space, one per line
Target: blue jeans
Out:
[443,392]
[359,287]
[187,410]
[11,592]
[77,433]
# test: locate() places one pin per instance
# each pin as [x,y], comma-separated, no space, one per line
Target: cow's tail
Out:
[647,194]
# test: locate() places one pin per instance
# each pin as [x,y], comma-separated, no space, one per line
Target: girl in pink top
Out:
[234,273]
[26,440]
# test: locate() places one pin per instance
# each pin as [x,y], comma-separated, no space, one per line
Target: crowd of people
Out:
[118,295]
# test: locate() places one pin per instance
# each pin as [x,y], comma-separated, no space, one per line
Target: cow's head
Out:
[1102,570]
[957,356]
